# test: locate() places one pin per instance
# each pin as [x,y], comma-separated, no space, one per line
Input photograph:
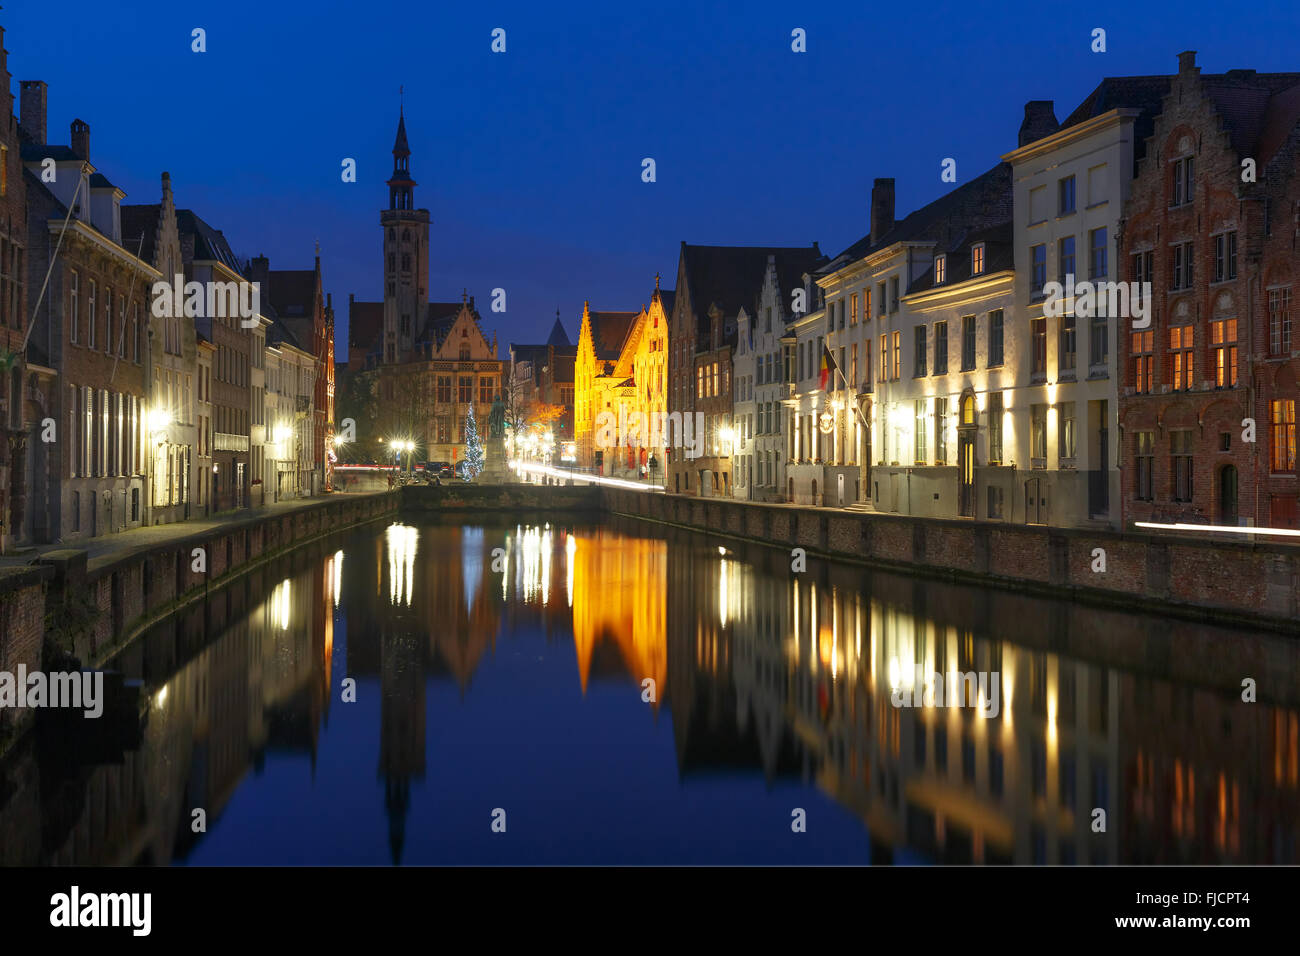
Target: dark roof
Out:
[292,293]
[1145,93]
[34,152]
[1255,106]
[984,201]
[731,277]
[1280,121]
[100,181]
[609,331]
[279,333]
[558,336]
[668,297]
[209,243]
[365,324]
[141,221]
[438,322]
[998,256]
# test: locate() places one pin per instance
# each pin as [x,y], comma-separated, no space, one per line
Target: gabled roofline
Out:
[1063,137]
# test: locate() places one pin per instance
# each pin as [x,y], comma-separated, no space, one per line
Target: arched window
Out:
[968,410]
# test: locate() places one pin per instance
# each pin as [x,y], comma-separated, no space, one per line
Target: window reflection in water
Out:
[785,677]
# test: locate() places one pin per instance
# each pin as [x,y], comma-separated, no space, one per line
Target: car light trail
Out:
[1225,529]
[579,476]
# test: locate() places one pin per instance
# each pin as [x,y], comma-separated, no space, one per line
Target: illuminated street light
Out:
[159,420]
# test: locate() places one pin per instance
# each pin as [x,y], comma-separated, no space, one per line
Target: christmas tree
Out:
[473,447]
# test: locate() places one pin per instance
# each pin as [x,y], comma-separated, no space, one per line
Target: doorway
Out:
[966,458]
[1036,501]
[1228,495]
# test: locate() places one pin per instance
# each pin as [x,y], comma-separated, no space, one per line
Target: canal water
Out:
[573,693]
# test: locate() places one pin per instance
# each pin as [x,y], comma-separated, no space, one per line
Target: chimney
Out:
[32,106]
[882,208]
[1187,62]
[1039,121]
[259,271]
[81,139]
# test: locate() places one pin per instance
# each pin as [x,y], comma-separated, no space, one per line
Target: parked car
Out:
[441,469]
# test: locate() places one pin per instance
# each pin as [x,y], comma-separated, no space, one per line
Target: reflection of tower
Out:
[462,613]
[401,680]
[401,741]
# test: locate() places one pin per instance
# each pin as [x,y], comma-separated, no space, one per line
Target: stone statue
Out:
[497,419]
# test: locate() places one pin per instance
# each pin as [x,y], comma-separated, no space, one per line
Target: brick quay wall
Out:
[68,610]
[1238,583]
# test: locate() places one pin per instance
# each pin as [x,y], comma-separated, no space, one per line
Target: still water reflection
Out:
[627,695]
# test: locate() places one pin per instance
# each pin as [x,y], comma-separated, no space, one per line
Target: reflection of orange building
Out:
[620,597]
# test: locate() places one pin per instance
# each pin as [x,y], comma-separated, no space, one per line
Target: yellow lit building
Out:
[621,374]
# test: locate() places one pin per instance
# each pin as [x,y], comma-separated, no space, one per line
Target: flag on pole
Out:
[828,364]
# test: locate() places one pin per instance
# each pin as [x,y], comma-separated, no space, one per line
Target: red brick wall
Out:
[1190,125]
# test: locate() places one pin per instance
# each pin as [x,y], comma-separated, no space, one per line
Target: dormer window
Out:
[940,269]
[977,259]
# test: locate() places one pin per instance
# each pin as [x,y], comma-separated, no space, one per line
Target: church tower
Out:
[406,256]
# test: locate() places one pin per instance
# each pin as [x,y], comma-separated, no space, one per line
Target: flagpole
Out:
[847,385]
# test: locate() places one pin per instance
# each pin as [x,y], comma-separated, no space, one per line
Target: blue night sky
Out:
[530,161]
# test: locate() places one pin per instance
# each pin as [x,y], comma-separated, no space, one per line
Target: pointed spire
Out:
[558,336]
[400,147]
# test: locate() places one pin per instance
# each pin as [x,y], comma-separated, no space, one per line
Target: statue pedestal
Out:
[495,470]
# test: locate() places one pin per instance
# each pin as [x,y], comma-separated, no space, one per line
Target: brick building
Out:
[14,420]
[1220,253]
[417,367]
[545,374]
[713,284]
[150,232]
[87,351]
[208,258]
[298,301]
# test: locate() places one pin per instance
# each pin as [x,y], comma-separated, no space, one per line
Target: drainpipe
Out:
[1250,385]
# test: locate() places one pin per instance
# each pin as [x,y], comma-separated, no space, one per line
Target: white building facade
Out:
[1070,187]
